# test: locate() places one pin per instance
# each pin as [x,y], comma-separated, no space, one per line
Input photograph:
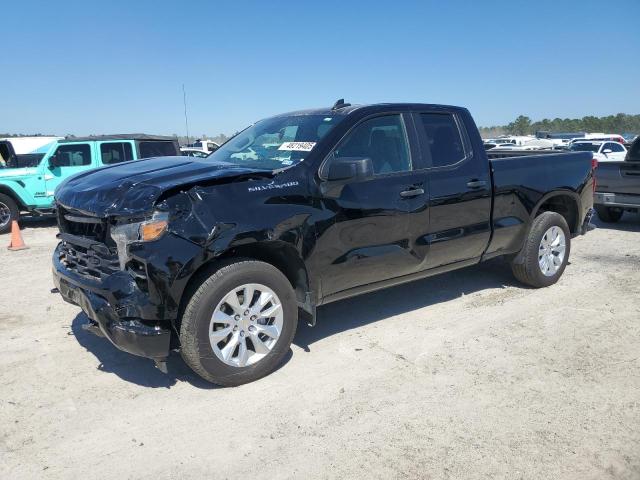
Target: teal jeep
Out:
[30,189]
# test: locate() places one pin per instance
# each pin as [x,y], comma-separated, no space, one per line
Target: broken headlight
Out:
[148,230]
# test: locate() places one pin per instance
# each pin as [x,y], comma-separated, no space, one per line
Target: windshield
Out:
[585,147]
[277,142]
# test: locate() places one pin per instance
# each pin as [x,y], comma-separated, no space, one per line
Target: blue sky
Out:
[118,66]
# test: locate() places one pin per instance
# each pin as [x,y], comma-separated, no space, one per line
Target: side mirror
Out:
[347,168]
[53,161]
[607,150]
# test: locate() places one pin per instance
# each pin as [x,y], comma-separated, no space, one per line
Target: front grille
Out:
[87,247]
[93,261]
[82,225]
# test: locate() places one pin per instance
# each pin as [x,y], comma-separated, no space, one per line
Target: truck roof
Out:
[122,136]
[371,106]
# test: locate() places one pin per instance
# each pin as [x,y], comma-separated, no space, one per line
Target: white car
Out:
[599,137]
[205,145]
[193,152]
[492,145]
[602,151]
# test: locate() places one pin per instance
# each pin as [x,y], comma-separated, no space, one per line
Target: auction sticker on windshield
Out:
[297,146]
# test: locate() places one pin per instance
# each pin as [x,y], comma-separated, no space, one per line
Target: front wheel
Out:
[608,214]
[239,323]
[8,212]
[545,253]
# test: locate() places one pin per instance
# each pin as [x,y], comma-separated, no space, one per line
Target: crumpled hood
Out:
[132,188]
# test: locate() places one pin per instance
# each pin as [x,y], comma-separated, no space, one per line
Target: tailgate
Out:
[618,177]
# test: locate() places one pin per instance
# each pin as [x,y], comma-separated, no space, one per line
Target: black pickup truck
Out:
[220,256]
[618,186]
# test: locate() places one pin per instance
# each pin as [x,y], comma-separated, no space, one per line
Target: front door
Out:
[369,238]
[616,152]
[68,159]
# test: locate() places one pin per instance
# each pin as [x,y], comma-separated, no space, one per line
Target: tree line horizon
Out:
[523,125]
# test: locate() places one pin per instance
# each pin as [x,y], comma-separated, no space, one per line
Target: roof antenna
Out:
[340,104]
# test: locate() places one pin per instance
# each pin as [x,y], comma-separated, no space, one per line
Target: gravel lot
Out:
[466,375]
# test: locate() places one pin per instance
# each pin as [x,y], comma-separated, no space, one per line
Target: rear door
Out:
[111,153]
[459,187]
[370,237]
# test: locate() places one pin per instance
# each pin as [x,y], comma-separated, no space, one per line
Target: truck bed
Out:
[522,181]
[541,172]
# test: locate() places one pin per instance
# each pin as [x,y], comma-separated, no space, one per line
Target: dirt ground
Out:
[467,375]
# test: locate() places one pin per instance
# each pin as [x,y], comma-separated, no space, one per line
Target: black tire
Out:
[529,271]
[6,202]
[196,349]
[608,214]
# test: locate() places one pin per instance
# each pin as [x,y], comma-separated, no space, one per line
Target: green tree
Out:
[520,126]
[619,123]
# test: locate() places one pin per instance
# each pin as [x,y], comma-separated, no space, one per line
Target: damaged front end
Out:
[120,272]
[132,238]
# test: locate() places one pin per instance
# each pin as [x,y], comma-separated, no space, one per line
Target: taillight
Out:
[594,165]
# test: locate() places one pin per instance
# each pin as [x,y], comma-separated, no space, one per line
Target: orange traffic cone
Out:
[16,237]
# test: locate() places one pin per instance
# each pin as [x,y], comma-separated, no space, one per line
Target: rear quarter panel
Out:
[522,184]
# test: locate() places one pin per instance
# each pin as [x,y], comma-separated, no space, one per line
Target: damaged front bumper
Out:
[110,308]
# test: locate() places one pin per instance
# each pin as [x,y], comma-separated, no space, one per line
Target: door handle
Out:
[412,192]
[476,183]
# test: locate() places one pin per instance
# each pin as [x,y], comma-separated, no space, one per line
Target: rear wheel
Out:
[8,212]
[609,214]
[239,324]
[545,253]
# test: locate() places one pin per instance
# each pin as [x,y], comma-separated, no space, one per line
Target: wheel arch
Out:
[281,255]
[10,192]
[563,202]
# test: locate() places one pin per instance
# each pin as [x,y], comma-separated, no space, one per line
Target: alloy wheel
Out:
[5,214]
[551,251]
[246,325]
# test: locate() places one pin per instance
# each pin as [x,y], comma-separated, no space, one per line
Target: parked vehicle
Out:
[618,186]
[559,138]
[220,256]
[205,145]
[633,153]
[18,152]
[602,151]
[492,145]
[30,189]
[518,140]
[599,137]
[193,152]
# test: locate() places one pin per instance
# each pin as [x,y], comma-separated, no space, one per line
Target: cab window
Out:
[383,139]
[443,138]
[73,155]
[111,153]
